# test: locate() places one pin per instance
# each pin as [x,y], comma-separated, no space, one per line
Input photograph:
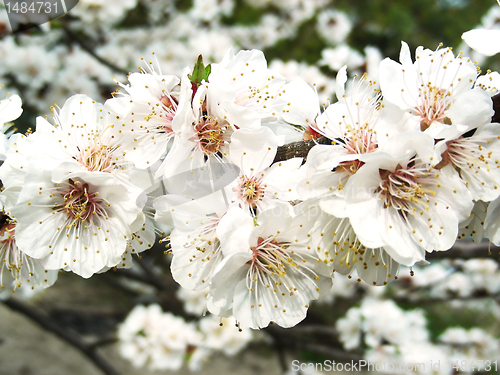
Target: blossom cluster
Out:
[362,326]
[163,341]
[406,164]
[52,64]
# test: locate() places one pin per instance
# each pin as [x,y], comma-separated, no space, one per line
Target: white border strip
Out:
[64,6]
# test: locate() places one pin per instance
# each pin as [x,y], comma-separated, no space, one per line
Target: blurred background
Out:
[448,311]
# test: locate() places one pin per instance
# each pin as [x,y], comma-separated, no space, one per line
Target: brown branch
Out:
[69,336]
[298,149]
[496,107]
[301,149]
[467,250]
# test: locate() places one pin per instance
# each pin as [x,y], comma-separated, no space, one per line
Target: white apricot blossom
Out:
[475,157]
[259,183]
[155,338]
[435,93]
[80,223]
[76,192]
[150,111]
[269,271]
[397,201]
[16,268]
[203,138]
[244,86]
[194,243]
[10,109]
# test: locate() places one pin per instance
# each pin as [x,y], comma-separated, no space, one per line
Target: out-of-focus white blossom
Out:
[224,334]
[486,39]
[377,322]
[336,58]
[195,301]
[211,9]
[103,11]
[349,328]
[333,26]
[312,75]
[159,340]
[470,345]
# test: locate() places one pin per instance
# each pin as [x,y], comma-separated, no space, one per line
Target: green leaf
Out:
[200,72]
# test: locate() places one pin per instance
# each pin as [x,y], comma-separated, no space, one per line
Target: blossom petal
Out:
[486,42]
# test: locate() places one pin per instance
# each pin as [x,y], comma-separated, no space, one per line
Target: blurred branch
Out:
[333,353]
[163,282]
[154,278]
[85,46]
[467,250]
[69,336]
[129,274]
[320,339]
[407,298]
[316,329]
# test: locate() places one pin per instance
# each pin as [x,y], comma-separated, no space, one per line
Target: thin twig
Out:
[156,280]
[74,37]
[129,274]
[69,336]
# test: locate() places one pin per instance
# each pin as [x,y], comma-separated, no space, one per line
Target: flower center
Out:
[210,135]
[464,154]
[12,259]
[350,166]
[311,132]
[169,110]
[434,103]
[250,190]
[403,189]
[9,255]
[270,257]
[97,157]
[363,142]
[80,203]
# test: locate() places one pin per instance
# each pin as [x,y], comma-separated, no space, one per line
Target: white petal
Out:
[234,231]
[253,150]
[10,109]
[340,83]
[405,55]
[486,42]
[301,103]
